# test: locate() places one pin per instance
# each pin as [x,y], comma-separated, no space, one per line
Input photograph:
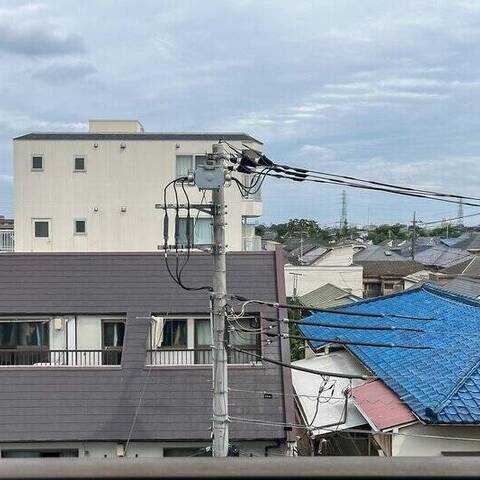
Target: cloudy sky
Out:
[383,90]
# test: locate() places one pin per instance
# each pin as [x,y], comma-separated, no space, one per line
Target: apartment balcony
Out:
[197,356]
[23,357]
[7,242]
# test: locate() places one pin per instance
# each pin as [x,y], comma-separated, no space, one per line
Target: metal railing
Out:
[240,468]
[195,356]
[45,357]
[7,241]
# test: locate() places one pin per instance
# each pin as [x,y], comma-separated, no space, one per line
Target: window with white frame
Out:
[245,337]
[188,163]
[174,333]
[79,164]
[37,162]
[188,340]
[41,228]
[80,226]
[201,231]
[24,342]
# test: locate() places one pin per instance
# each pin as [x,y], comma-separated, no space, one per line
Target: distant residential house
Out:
[102,355]
[387,276]
[327,296]
[469,241]
[441,257]
[375,253]
[321,265]
[466,286]
[423,394]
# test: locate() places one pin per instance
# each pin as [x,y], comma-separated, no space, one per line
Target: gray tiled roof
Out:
[473,268]
[442,256]
[470,241]
[377,253]
[54,403]
[212,136]
[390,269]
[468,287]
[327,296]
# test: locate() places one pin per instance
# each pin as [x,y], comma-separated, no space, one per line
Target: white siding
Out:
[315,277]
[404,445]
[131,179]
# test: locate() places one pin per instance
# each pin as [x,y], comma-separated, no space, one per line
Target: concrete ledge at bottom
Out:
[286,467]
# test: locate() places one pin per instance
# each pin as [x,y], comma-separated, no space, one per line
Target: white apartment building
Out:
[97,190]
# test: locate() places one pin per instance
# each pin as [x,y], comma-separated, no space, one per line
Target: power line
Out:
[348,326]
[350,342]
[249,164]
[449,219]
[349,430]
[326,310]
[301,369]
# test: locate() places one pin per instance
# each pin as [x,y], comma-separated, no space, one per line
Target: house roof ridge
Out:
[461,382]
[450,296]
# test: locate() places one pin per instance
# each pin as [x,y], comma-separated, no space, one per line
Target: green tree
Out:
[388,232]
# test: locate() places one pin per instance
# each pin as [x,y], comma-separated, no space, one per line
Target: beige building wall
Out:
[313,277]
[338,256]
[116,195]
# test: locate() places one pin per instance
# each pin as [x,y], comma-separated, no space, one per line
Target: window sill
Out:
[79,171]
[36,169]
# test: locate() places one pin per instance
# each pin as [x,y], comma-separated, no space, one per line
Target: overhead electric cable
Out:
[347,326]
[325,310]
[301,369]
[350,342]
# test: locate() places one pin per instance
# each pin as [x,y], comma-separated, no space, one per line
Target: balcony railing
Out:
[6,241]
[195,356]
[60,358]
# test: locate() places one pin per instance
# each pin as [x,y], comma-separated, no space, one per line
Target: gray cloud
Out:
[35,40]
[378,89]
[61,72]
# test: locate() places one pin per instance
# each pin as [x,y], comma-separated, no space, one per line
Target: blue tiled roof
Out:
[441,385]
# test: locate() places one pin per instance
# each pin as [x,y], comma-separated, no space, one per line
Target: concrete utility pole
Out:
[218,302]
[414,235]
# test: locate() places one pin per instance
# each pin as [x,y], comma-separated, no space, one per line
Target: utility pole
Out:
[218,303]
[295,283]
[343,215]
[414,235]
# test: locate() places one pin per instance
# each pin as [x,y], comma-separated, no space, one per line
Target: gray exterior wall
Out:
[99,403]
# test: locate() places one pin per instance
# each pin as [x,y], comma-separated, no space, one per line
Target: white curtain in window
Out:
[203,332]
[157,331]
[203,231]
[184,165]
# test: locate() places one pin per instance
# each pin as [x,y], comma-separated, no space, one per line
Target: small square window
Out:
[37,162]
[80,164]
[41,229]
[80,227]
